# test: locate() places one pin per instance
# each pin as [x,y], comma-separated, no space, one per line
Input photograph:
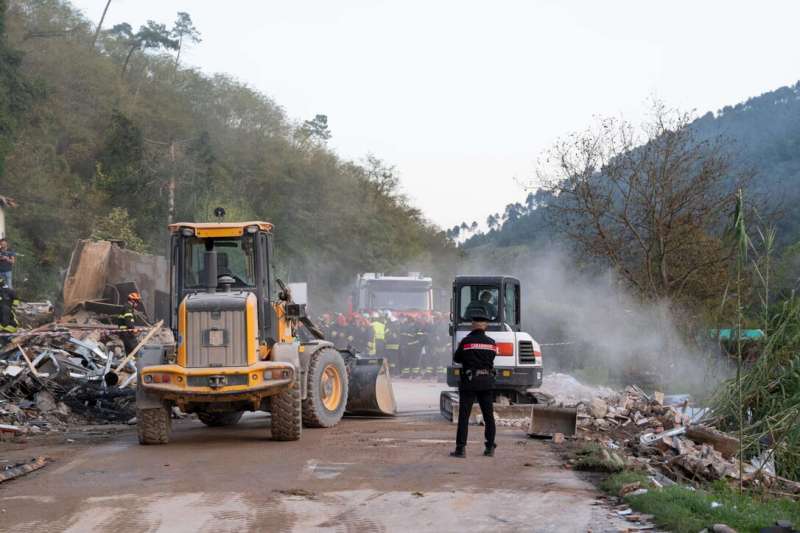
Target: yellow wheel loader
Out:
[237,348]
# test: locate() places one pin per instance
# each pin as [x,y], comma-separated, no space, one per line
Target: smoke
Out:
[586,319]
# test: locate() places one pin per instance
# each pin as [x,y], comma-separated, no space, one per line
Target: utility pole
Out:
[172,180]
[171,186]
[100,24]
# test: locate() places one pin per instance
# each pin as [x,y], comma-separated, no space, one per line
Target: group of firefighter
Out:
[417,346]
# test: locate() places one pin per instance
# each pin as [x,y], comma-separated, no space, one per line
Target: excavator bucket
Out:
[370,386]
[547,421]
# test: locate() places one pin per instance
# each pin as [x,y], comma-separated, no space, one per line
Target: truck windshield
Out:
[235,258]
[399,300]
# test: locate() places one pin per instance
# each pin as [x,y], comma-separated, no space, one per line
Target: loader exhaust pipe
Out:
[210,271]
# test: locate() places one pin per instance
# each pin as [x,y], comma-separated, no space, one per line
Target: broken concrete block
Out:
[658,396]
[45,401]
[627,488]
[598,408]
[725,444]
[558,438]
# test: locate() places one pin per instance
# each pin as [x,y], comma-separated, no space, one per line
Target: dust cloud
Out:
[589,324]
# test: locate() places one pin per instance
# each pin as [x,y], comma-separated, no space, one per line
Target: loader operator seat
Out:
[222,265]
[482,306]
[224,270]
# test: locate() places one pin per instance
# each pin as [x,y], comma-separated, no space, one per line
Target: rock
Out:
[627,488]
[15,411]
[598,408]
[45,401]
[63,409]
[722,528]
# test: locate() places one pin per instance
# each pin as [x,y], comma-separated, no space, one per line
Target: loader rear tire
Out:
[153,425]
[327,389]
[287,417]
[214,420]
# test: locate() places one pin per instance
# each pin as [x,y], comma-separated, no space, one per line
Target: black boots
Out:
[460,453]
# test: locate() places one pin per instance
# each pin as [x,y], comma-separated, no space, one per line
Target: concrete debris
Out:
[68,373]
[598,408]
[15,471]
[655,433]
[627,488]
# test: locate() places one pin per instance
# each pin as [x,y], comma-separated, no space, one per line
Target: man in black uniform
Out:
[8,301]
[476,354]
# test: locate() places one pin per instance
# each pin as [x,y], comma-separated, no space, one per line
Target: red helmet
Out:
[134,297]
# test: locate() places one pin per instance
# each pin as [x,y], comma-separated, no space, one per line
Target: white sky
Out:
[462,96]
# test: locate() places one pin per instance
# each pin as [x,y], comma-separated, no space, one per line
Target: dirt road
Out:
[363,475]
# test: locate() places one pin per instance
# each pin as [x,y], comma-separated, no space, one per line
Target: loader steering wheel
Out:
[230,279]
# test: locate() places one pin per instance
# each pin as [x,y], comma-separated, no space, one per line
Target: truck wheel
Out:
[220,419]
[287,418]
[153,425]
[327,389]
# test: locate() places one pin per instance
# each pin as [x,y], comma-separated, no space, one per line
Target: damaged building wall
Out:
[95,265]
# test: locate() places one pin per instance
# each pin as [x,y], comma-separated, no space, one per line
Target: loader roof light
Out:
[252,229]
[187,232]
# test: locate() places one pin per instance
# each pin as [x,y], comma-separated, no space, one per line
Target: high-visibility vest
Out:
[380,330]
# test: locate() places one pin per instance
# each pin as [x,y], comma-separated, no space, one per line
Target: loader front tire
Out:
[327,389]
[153,425]
[214,420]
[287,417]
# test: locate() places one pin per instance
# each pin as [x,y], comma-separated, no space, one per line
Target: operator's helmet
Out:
[134,297]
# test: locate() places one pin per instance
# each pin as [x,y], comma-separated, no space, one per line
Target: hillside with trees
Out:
[114,137]
[754,144]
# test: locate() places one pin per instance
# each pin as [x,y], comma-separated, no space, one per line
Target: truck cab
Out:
[403,295]
[519,359]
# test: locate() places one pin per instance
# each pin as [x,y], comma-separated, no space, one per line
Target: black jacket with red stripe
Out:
[476,351]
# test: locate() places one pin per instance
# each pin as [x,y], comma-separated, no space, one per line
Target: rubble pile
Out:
[667,437]
[72,372]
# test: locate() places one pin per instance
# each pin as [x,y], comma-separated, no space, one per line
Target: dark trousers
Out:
[466,398]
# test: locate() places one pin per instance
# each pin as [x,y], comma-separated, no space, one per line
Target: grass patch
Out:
[681,509]
[593,457]
[613,484]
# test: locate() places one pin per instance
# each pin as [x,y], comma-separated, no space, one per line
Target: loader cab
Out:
[497,296]
[219,257]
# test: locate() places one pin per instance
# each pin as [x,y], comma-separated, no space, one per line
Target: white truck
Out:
[411,294]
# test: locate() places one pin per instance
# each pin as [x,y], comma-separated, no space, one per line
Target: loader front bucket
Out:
[547,421]
[370,388]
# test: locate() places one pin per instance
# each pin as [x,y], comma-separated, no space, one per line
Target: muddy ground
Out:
[363,475]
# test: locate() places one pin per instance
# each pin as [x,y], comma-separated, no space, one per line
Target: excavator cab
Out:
[237,344]
[519,358]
